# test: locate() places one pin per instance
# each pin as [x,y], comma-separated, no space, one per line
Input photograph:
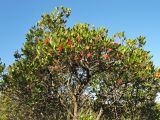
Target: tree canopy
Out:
[79,73]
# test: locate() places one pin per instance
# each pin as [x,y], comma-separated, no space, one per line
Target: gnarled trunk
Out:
[75,117]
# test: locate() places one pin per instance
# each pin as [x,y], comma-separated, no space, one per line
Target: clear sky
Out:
[135,17]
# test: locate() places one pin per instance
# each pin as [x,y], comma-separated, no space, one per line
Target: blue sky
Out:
[136,17]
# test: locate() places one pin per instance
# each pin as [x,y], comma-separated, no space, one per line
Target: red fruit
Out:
[106,56]
[77,39]
[69,43]
[109,50]
[60,48]
[89,55]
[82,54]
[46,41]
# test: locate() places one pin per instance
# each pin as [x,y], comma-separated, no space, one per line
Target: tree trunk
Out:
[99,115]
[75,117]
[68,116]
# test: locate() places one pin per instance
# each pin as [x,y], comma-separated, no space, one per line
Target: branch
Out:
[66,107]
[100,113]
[84,100]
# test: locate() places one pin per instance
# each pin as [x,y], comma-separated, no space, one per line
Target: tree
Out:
[80,72]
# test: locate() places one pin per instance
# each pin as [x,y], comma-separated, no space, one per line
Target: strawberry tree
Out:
[74,72]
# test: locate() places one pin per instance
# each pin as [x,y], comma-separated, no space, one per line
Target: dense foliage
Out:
[79,73]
